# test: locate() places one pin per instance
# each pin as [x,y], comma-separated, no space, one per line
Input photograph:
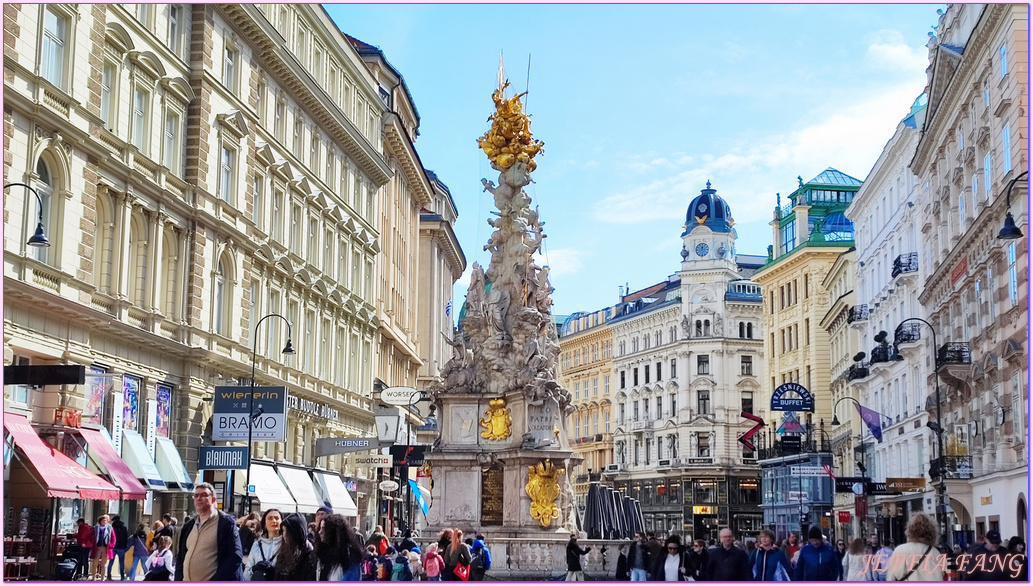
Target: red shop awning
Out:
[117,469]
[62,476]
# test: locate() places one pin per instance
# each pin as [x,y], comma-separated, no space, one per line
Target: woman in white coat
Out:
[855,566]
[267,544]
[160,566]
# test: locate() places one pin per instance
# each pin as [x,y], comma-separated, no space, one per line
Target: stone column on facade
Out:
[157,246]
[120,246]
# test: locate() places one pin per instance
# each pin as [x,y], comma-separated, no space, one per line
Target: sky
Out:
[640,105]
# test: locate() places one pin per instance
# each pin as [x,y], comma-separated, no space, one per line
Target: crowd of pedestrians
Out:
[813,560]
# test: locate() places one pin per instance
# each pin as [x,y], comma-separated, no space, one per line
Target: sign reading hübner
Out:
[233,409]
[801,399]
[326,446]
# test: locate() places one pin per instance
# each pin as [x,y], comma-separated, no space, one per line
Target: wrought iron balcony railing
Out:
[857,371]
[954,353]
[908,333]
[905,263]
[951,468]
[857,313]
[880,353]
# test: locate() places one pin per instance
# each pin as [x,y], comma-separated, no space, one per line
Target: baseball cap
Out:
[993,536]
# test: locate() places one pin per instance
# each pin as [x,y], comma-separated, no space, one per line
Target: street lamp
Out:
[860,464]
[941,505]
[39,239]
[1010,231]
[252,415]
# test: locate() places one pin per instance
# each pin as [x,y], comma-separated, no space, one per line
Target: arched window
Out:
[742,330]
[45,188]
[138,246]
[221,301]
[170,263]
[706,327]
[104,245]
[749,331]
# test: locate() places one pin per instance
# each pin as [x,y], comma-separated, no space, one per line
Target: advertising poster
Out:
[130,403]
[164,423]
[96,390]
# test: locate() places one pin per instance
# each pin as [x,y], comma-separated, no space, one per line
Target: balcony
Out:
[905,264]
[641,425]
[908,334]
[857,372]
[880,353]
[950,468]
[857,314]
[954,360]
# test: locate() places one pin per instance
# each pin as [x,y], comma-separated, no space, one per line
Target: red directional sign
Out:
[744,439]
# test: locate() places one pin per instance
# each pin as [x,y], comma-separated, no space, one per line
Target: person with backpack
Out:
[481,562]
[138,543]
[261,564]
[457,554]
[338,551]
[385,567]
[161,565]
[121,546]
[378,539]
[401,571]
[433,563]
[368,567]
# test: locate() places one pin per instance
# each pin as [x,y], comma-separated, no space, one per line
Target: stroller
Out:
[69,565]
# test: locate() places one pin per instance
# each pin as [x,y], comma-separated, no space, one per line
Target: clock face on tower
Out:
[702,249]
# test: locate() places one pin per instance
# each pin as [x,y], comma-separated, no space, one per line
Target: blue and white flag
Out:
[448,307]
[419,496]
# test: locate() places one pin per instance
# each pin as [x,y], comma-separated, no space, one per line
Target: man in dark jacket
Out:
[726,562]
[818,560]
[639,560]
[987,562]
[574,553]
[209,545]
[121,546]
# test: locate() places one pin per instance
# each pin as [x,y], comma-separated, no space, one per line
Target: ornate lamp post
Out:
[1010,231]
[39,239]
[288,350]
[941,491]
[860,465]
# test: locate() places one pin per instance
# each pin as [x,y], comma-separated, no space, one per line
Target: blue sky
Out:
[639,105]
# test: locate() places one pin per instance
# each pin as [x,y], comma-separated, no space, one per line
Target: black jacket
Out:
[660,563]
[304,568]
[121,534]
[623,572]
[647,559]
[727,565]
[983,565]
[230,554]
[574,554]
[698,563]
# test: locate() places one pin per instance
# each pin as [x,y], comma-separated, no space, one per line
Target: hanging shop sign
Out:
[792,397]
[326,446]
[400,396]
[388,486]
[372,461]
[905,484]
[844,516]
[235,413]
[408,456]
[222,458]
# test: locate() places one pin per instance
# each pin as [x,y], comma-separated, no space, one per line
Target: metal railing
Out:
[908,333]
[857,371]
[857,313]
[880,353]
[954,353]
[951,467]
[905,263]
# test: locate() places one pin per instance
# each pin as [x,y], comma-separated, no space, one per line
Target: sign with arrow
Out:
[744,439]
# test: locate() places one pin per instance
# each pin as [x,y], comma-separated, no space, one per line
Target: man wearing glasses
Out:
[209,546]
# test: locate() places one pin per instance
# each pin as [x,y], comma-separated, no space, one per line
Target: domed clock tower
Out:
[708,243]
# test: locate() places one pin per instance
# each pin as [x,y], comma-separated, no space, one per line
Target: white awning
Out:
[335,492]
[138,457]
[300,484]
[269,489]
[171,468]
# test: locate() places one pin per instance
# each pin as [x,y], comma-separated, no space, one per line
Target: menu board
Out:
[491,495]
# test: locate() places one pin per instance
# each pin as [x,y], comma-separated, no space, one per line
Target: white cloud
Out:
[561,261]
[889,49]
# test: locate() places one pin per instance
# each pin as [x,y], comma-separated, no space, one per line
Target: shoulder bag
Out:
[918,565]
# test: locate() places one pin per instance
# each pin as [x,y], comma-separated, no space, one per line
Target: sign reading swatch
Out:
[234,414]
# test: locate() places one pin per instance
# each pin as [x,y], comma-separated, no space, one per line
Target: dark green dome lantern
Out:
[710,210]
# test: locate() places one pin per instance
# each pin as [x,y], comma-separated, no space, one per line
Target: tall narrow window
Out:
[1006,149]
[986,176]
[139,267]
[1013,276]
[229,69]
[703,364]
[703,402]
[172,156]
[227,163]
[258,202]
[313,162]
[280,120]
[170,248]
[674,368]
[53,55]
[313,240]
[1004,60]
[296,230]
[45,189]
[961,212]
[175,28]
[220,320]
[107,95]
[703,444]
[328,253]
[141,103]
[276,221]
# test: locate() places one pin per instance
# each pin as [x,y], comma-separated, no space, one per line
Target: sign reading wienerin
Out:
[232,410]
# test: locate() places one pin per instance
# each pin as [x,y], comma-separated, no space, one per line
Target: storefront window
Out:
[674,492]
[706,491]
[748,491]
[131,403]
[69,510]
[96,390]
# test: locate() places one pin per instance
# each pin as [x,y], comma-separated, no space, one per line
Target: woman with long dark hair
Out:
[295,562]
[266,547]
[338,551]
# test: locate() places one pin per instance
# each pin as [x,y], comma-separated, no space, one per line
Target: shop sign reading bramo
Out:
[232,408]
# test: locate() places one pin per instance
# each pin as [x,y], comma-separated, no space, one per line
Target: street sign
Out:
[844,516]
[326,446]
[905,484]
[222,458]
[251,488]
[408,456]
[800,399]
[845,484]
[372,460]
[807,471]
[233,410]
[790,444]
[400,396]
[744,439]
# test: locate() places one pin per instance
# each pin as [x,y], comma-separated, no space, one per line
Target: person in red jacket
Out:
[84,536]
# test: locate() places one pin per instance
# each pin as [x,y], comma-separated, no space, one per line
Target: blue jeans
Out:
[143,566]
[120,555]
[638,575]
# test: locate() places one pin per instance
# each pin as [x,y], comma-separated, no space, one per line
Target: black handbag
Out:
[265,570]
